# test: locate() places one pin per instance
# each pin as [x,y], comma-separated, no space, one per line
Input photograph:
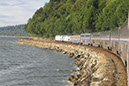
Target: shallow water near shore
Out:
[22,65]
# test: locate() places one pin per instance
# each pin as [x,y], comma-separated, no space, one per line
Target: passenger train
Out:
[108,40]
[116,40]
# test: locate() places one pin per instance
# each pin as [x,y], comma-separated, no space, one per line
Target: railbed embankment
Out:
[95,66]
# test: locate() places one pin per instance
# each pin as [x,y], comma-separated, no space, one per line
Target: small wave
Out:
[61,70]
[13,69]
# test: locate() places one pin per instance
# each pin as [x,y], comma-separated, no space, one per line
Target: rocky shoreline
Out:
[94,68]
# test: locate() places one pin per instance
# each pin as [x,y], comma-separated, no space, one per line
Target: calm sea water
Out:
[22,65]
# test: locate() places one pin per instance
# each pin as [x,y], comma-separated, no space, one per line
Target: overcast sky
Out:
[14,12]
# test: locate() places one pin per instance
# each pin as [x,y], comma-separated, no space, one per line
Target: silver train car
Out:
[85,38]
[75,38]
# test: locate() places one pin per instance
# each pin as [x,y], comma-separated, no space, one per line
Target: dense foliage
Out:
[77,16]
[17,30]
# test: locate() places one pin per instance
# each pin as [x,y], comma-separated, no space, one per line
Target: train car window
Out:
[96,35]
[82,35]
[87,35]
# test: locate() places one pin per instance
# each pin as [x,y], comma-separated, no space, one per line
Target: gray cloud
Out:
[4,16]
[4,4]
[14,12]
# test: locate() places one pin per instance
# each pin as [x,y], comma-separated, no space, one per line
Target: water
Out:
[22,65]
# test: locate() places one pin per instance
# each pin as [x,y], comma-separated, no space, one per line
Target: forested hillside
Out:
[17,30]
[77,16]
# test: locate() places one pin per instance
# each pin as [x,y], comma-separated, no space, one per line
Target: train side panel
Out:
[58,38]
[85,38]
[75,38]
[66,38]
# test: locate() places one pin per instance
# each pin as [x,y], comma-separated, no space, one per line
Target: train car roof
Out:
[86,34]
[62,35]
[75,35]
[58,35]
